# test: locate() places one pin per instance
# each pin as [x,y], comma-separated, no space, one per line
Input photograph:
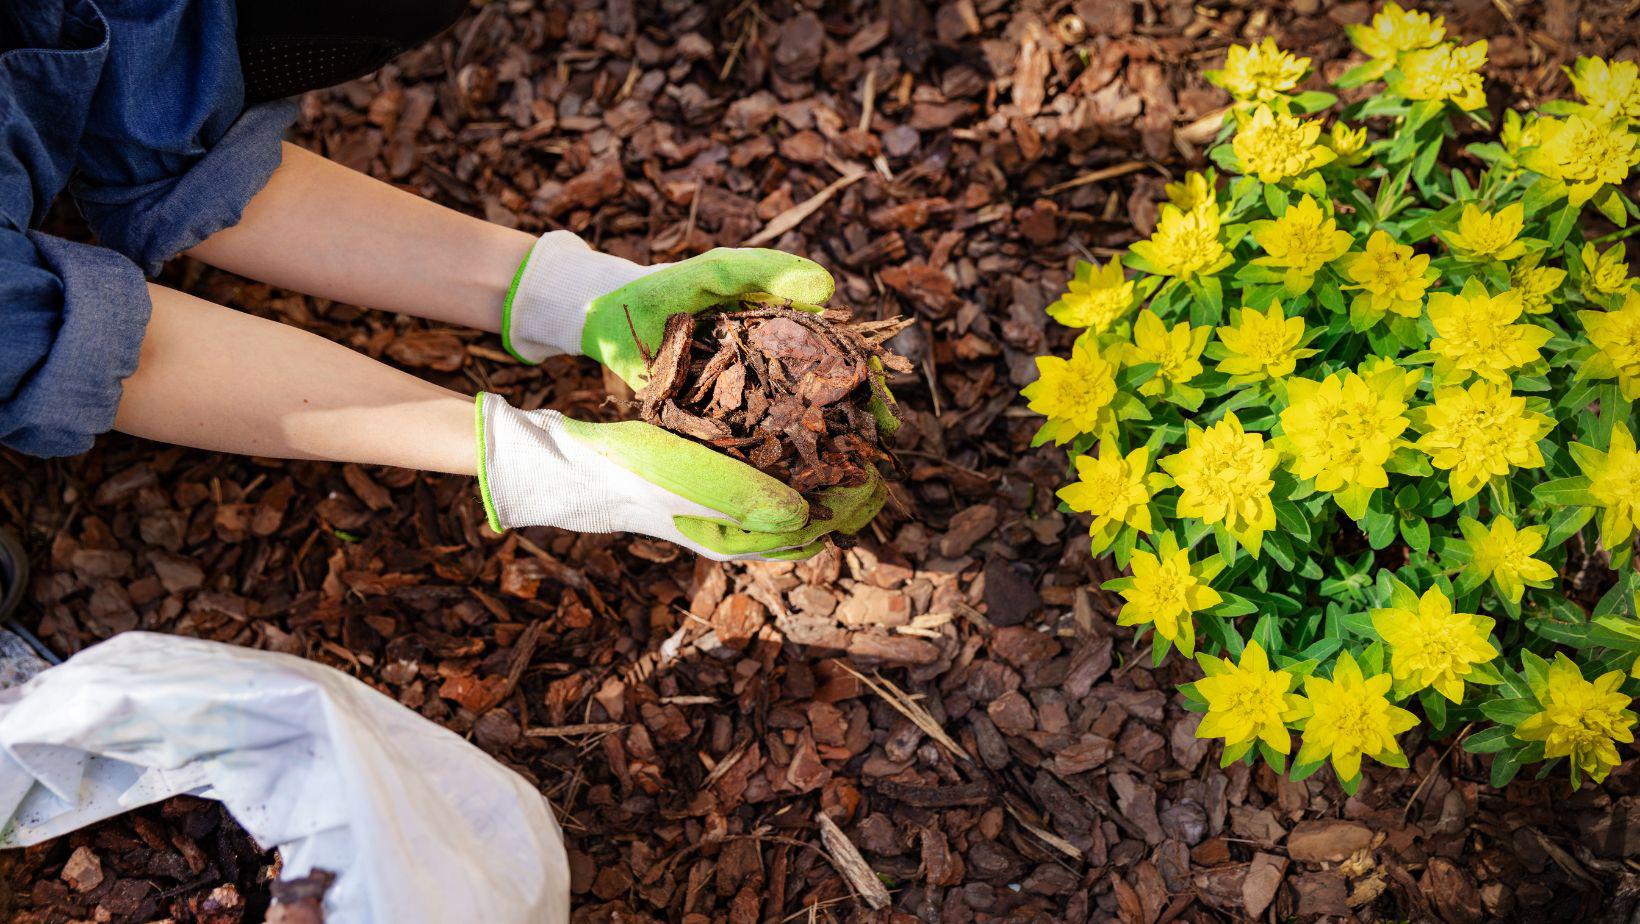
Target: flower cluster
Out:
[1344,410]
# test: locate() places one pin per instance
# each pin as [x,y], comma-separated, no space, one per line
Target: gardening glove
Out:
[540,468]
[568,298]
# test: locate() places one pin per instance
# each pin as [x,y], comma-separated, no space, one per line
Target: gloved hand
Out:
[568,298]
[540,468]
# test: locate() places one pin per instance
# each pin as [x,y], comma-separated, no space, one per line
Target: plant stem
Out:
[1617,235]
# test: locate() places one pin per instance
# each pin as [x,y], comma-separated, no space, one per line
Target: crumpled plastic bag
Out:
[417,824]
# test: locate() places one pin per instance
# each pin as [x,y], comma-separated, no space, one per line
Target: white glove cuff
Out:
[548,304]
[532,474]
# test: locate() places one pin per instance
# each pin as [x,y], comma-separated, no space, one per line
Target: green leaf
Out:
[1565,524]
[1434,708]
[1610,204]
[1312,101]
[1208,308]
[1292,521]
[1301,772]
[1379,525]
[1415,530]
[1504,768]
[1561,225]
[1233,605]
[1536,670]
[1275,199]
[1268,633]
[1511,711]
[1280,551]
[1564,491]
[1224,635]
[1273,757]
[1359,624]
[1322,650]
[1489,740]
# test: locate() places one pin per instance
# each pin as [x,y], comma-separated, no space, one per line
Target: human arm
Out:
[321,228]
[214,378]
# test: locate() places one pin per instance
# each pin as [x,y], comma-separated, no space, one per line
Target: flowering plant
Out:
[1350,415]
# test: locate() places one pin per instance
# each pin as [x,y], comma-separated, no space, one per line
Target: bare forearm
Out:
[214,378]
[326,230]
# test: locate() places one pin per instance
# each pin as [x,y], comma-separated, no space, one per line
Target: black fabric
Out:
[288,47]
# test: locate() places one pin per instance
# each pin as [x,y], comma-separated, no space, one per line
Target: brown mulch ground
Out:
[690,720]
[185,860]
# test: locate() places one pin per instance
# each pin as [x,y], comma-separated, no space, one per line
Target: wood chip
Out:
[846,857]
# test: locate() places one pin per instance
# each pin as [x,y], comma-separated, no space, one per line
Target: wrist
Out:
[531,473]
[546,306]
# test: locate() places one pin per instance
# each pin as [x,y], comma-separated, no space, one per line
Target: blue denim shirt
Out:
[137,109]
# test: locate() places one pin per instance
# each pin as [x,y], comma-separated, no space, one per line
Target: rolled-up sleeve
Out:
[72,316]
[142,102]
[71,329]
[170,155]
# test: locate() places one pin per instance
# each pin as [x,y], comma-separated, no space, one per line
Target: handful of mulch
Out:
[798,395]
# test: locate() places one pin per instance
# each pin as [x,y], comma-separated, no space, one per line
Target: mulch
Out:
[184,860]
[951,693]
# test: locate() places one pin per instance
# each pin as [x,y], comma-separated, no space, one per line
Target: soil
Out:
[945,710]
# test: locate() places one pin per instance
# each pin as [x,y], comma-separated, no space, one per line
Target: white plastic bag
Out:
[417,824]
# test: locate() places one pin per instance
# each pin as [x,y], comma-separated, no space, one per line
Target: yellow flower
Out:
[1519,132]
[1263,345]
[1302,240]
[1445,72]
[1223,475]
[1478,433]
[1616,334]
[1342,430]
[1165,590]
[1390,277]
[1584,153]
[1098,297]
[1605,273]
[1185,244]
[1073,394]
[1504,554]
[1536,284]
[1247,702]
[1190,193]
[1476,332]
[1274,145]
[1349,144]
[1580,720]
[1611,88]
[1177,351]
[1614,480]
[1351,718]
[1112,488]
[1261,72]
[1488,235]
[1433,646]
[1394,30]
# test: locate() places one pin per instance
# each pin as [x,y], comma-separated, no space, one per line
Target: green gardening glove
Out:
[539,468]
[568,298]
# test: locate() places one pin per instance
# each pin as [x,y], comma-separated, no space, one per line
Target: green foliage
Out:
[1370,407]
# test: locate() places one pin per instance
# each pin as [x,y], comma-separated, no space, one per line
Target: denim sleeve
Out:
[70,333]
[71,316]
[170,155]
